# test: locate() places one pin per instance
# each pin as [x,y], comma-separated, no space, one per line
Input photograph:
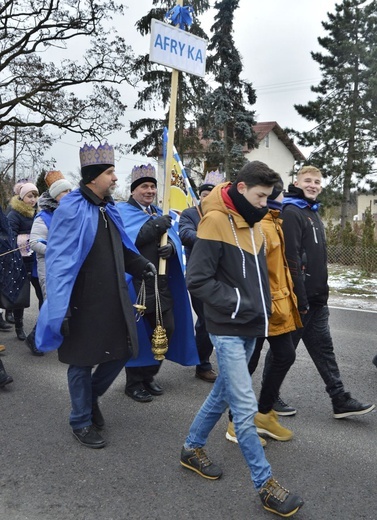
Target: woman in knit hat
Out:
[20,217]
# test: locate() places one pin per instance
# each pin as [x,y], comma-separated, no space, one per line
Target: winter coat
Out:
[306,251]
[228,272]
[188,226]
[147,243]
[85,267]
[284,314]
[21,217]
[39,230]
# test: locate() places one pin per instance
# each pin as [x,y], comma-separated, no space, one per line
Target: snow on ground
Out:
[350,287]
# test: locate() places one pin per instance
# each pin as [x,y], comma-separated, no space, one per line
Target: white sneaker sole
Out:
[350,414]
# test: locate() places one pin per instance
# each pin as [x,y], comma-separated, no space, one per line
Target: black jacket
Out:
[188,226]
[228,272]
[306,250]
[147,243]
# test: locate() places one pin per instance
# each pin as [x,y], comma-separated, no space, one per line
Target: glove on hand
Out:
[165,251]
[163,222]
[150,271]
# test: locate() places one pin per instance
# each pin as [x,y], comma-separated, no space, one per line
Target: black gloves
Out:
[150,271]
[163,222]
[166,251]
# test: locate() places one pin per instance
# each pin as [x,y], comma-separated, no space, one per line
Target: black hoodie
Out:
[305,249]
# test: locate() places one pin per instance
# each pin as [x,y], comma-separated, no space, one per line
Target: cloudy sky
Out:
[275,39]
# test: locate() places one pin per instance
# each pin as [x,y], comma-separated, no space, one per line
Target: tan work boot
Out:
[268,423]
[232,437]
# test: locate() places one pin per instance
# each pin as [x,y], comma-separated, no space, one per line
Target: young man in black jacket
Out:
[306,252]
[227,270]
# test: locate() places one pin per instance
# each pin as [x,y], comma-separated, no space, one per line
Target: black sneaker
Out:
[282,408]
[279,500]
[374,361]
[198,461]
[346,406]
[89,437]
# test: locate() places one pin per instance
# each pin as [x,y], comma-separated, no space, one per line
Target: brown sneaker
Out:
[232,437]
[268,424]
[209,376]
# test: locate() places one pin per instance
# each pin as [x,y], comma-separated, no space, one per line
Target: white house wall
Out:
[276,156]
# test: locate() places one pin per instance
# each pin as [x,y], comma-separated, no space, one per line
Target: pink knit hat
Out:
[29,186]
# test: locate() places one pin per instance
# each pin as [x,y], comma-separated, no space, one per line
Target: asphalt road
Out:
[46,475]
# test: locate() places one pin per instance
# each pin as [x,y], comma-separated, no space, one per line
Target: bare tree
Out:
[38,91]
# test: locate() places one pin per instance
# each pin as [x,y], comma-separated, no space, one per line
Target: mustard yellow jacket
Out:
[284,314]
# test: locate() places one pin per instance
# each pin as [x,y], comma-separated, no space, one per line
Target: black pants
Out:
[137,375]
[283,356]
[203,342]
[317,339]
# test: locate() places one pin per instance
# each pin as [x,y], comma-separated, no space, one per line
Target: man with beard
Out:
[227,270]
[88,313]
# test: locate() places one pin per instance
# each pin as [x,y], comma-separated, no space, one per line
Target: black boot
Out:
[9,316]
[3,324]
[19,322]
[4,378]
[30,342]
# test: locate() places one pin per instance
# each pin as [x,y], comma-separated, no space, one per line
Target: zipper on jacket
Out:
[260,284]
[314,231]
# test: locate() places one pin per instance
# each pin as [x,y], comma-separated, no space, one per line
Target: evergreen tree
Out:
[157,90]
[345,111]
[226,119]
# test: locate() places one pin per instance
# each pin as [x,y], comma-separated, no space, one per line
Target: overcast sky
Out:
[275,39]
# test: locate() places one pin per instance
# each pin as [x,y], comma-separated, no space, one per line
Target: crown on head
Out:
[53,176]
[90,155]
[145,170]
[214,177]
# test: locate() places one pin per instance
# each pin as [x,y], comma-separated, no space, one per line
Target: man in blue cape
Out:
[88,315]
[145,224]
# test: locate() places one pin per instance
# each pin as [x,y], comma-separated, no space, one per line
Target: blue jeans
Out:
[233,388]
[85,388]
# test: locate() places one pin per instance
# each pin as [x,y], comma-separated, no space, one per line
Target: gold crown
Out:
[90,155]
[53,176]
[145,170]
[214,177]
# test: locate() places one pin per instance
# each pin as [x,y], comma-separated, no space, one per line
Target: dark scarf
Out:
[250,213]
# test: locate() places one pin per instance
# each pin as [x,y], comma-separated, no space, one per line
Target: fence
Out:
[364,258]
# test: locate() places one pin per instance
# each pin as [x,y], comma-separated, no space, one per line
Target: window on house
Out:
[267,141]
[375,202]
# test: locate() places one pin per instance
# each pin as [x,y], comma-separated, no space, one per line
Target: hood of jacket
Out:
[19,205]
[47,203]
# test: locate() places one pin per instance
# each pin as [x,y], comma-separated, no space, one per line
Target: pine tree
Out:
[226,119]
[345,111]
[156,92]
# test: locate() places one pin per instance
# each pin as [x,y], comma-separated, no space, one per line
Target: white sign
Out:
[177,49]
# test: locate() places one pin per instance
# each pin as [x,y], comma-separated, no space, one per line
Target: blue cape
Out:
[70,238]
[182,347]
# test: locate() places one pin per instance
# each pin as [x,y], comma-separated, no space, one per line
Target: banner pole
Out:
[169,156]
